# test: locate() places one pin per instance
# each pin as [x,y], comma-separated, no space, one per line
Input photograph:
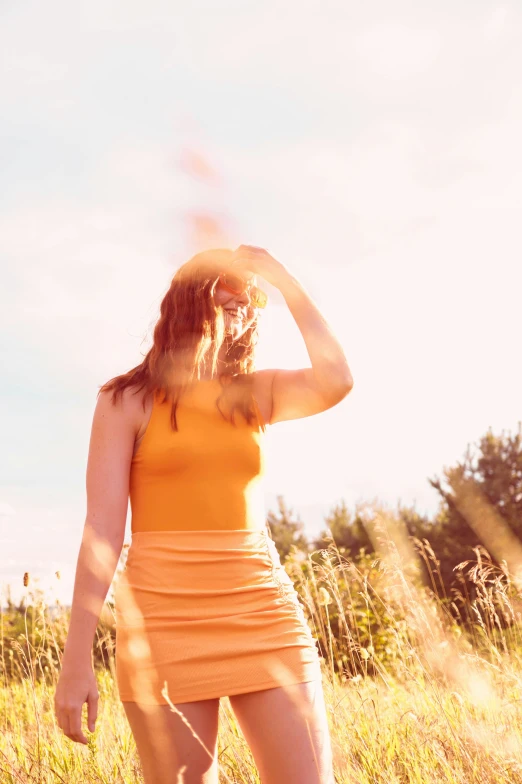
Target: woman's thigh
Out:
[287,731]
[174,748]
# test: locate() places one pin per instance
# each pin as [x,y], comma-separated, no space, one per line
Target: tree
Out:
[481,503]
[349,531]
[286,531]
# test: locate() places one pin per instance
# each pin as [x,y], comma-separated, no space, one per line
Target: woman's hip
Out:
[184,575]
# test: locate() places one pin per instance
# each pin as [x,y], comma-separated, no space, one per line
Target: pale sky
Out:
[372,148]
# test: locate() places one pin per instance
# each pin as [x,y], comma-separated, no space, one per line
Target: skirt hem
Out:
[309,674]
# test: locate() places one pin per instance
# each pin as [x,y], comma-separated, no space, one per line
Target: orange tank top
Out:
[207,476]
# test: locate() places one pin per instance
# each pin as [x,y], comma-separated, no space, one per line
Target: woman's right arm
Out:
[111,446]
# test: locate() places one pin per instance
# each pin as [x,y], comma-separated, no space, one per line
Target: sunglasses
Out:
[238,285]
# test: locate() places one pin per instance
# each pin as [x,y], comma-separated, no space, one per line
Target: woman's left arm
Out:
[329,362]
[306,391]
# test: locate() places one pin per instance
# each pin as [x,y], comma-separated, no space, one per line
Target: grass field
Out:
[412,696]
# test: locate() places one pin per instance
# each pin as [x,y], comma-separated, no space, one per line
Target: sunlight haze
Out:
[366,148]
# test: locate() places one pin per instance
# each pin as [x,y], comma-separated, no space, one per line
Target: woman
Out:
[204,607]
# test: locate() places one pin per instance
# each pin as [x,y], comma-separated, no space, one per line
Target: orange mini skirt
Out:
[204,614]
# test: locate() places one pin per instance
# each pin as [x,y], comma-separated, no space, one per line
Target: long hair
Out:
[187,338]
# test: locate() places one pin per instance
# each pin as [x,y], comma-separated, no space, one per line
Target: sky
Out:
[374,149]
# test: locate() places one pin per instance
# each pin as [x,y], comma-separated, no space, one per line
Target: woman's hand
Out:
[74,688]
[260,262]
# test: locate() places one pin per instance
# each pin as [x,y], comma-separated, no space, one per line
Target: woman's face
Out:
[237,311]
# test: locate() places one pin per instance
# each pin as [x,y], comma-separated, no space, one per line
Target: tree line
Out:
[480,511]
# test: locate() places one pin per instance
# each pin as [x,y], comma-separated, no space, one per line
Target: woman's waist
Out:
[185,571]
[201,539]
[206,511]
[164,557]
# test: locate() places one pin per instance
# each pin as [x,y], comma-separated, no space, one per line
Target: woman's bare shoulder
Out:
[125,407]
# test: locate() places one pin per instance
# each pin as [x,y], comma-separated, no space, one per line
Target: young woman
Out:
[204,607]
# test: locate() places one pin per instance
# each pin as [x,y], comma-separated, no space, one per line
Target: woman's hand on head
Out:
[249,258]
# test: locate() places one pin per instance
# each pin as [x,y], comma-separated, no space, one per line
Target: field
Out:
[413,696]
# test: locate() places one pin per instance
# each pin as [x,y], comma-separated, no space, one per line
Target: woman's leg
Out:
[168,750]
[287,731]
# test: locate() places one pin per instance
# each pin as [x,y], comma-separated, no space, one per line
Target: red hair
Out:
[187,338]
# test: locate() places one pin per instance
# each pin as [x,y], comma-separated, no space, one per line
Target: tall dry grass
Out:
[413,695]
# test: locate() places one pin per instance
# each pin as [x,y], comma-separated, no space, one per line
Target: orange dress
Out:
[204,607]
